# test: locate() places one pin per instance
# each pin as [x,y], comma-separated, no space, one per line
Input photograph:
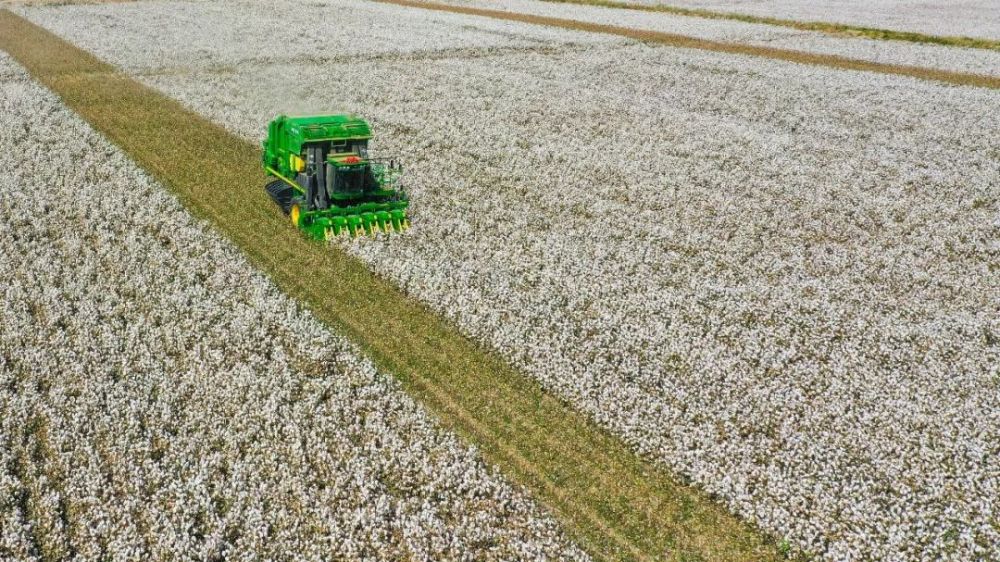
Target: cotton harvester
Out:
[325,181]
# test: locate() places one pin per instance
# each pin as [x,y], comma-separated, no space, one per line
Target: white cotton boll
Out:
[163,400]
[778,280]
[969,19]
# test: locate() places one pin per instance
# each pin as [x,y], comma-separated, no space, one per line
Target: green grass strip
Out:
[821,26]
[616,505]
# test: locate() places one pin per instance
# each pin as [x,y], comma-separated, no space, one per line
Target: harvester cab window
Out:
[354,180]
[360,148]
[350,181]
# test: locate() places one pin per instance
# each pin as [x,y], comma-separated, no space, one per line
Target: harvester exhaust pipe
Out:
[316,165]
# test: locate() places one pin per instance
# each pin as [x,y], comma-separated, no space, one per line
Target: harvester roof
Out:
[304,129]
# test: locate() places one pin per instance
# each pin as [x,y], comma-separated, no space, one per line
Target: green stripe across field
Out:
[616,505]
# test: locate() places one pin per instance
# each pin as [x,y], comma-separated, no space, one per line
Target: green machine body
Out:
[325,180]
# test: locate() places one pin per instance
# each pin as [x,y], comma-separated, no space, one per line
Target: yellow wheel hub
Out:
[295,213]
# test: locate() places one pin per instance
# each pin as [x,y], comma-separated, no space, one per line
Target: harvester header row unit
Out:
[326,181]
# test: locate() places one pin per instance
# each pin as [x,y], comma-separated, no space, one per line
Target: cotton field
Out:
[162,401]
[778,280]
[978,61]
[969,18]
[202,35]
[368,28]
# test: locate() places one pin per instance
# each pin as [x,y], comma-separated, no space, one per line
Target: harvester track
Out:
[281,193]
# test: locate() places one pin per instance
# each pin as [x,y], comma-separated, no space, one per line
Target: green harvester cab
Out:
[326,182]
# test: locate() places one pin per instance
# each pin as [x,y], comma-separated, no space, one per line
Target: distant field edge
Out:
[614,504]
[689,42]
[828,27]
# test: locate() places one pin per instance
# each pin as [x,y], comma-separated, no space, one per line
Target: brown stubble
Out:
[616,505]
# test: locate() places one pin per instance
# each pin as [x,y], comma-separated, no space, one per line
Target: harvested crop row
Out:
[776,279]
[762,36]
[159,399]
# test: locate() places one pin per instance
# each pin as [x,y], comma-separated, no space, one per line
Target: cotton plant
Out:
[973,18]
[977,18]
[162,400]
[775,279]
[343,31]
